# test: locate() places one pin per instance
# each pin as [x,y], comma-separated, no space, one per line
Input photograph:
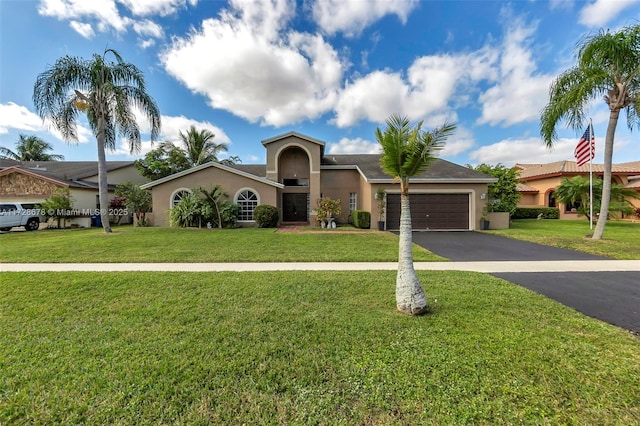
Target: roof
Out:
[538,171]
[71,173]
[521,187]
[297,135]
[439,171]
[252,171]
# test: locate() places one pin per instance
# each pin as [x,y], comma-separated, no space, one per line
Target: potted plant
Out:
[382,203]
[327,210]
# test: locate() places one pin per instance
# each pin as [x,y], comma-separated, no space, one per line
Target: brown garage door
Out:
[431,211]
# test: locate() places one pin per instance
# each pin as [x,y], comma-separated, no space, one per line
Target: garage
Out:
[431,211]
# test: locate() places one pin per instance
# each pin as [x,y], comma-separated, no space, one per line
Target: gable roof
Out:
[255,172]
[538,171]
[70,173]
[439,171]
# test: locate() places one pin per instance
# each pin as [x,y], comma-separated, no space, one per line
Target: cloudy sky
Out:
[249,70]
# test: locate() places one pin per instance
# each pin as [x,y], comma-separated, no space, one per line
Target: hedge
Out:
[266,216]
[534,212]
[361,219]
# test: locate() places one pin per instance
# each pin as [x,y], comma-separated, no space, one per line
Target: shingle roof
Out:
[69,172]
[529,171]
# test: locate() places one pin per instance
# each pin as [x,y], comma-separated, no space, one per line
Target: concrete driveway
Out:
[613,297]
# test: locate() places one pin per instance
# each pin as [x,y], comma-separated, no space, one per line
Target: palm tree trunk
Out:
[410,298]
[606,178]
[102,179]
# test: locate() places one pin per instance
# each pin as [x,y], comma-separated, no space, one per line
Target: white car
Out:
[19,214]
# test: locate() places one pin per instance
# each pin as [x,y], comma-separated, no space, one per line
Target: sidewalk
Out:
[487,267]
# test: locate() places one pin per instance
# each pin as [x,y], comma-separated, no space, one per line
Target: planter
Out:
[381,225]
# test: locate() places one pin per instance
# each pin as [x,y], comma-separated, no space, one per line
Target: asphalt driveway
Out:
[613,297]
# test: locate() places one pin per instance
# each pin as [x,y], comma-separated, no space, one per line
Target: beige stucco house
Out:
[298,172]
[538,182]
[34,181]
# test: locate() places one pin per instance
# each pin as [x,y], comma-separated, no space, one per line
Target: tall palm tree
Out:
[200,147]
[107,91]
[608,65]
[407,151]
[30,148]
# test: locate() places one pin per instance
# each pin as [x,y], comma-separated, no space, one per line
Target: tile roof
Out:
[72,173]
[530,171]
[440,170]
[521,187]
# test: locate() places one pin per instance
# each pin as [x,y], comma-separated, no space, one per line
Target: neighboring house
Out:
[538,182]
[34,181]
[298,173]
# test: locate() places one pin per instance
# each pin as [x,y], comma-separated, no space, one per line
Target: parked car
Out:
[19,214]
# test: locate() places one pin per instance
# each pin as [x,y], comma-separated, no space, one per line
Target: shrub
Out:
[361,219]
[229,213]
[266,216]
[534,212]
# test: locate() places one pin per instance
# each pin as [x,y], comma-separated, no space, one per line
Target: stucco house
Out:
[298,172]
[34,181]
[538,182]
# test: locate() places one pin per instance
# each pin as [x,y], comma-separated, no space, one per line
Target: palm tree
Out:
[107,91]
[200,147]
[608,65]
[30,148]
[407,151]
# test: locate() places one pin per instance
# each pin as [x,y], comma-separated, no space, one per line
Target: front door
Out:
[294,207]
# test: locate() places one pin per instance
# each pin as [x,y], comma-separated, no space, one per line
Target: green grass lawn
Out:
[147,245]
[621,239]
[303,348]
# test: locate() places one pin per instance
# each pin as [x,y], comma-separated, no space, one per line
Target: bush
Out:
[534,212]
[266,216]
[361,219]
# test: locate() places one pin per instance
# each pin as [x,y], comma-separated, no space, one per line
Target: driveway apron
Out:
[613,297]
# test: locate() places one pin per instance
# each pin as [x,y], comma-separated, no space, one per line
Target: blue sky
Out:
[334,70]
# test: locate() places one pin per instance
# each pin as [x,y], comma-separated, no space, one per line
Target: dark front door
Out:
[294,207]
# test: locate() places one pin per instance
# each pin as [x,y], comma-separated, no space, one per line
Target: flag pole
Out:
[591,174]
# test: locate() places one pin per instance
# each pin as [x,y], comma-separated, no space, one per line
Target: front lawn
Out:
[303,348]
[621,239]
[150,245]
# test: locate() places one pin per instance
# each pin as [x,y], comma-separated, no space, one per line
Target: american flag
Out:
[586,149]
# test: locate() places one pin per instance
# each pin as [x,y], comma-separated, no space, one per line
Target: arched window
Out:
[551,199]
[178,195]
[247,200]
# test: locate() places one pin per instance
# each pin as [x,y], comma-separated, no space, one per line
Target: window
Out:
[247,200]
[353,201]
[572,207]
[179,195]
[551,202]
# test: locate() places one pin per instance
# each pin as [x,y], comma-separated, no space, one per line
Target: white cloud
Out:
[256,70]
[520,93]
[85,30]
[105,12]
[148,28]
[18,117]
[355,146]
[461,141]
[526,150]
[431,85]
[352,16]
[600,12]
[156,7]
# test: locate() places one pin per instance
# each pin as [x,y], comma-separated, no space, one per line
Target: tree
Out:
[407,151]
[608,65]
[163,161]
[58,206]
[30,148]
[212,200]
[200,147]
[503,195]
[576,191]
[137,200]
[107,91]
